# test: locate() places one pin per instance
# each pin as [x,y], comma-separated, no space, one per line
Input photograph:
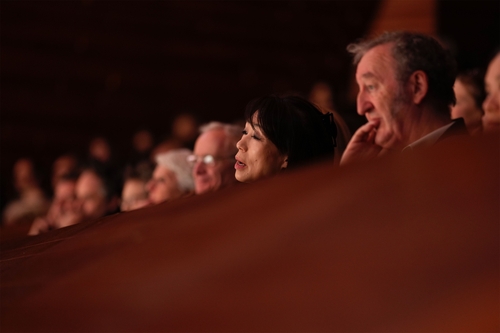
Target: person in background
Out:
[405,85]
[172,177]
[134,194]
[64,197]
[491,105]
[100,150]
[63,165]
[213,156]
[32,201]
[469,92]
[282,133]
[97,193]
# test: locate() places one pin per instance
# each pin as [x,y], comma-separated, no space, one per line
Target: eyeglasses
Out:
[207,159]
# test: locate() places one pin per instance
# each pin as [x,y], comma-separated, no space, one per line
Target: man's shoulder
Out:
[457,127]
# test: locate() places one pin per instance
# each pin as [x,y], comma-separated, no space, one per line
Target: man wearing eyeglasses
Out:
[213,156]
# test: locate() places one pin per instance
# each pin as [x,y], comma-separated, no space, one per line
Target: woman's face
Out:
[465,107]
[257,156]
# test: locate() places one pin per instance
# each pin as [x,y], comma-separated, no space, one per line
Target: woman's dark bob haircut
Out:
[295,126]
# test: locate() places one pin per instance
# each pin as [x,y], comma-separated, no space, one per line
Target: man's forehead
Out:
[211,142]
[376,61]
[88,182]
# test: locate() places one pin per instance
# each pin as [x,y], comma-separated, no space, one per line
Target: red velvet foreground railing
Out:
[405,243]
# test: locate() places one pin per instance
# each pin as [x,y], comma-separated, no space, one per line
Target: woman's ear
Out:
[285,163]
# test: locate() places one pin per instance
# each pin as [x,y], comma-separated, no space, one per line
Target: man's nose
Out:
[199,168]
[363,104]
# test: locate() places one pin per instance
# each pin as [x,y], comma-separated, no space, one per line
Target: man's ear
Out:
[419,86]
[285,163]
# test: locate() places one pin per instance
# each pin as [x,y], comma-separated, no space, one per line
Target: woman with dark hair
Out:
[469,92]
[281,133]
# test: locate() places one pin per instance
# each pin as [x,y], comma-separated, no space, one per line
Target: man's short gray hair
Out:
[414,51]
[232,131]
[176,161]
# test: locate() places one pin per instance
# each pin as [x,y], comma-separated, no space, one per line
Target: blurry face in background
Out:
[466,107]
[211,177]
[163,186]
[100,150]
[91,196]
[64,197]
[491,105]
[23,174]
[62,165]
[134,195]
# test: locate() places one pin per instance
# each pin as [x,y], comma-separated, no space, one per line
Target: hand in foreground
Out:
[39,225]
[362,146]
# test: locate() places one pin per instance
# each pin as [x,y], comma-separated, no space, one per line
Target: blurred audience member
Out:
[491,105]
[172,177]
[64,197]
[213,156]
[142,142]
[139,163]
[134,194]
[469,92]
[63,165]
[322,97]
[164,147]
[185,129]
[97,193]
[32,201]
[100,150]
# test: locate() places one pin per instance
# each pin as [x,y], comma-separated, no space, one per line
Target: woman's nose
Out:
[490,104]
[240,144]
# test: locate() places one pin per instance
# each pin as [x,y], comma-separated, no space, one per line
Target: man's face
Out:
[91,196]
[163,186]
[211,177]
[381,99]
[491,105]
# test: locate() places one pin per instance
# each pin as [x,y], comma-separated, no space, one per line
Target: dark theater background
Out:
[71,70]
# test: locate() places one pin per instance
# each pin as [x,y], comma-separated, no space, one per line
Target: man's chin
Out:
[202,188]
[491,125]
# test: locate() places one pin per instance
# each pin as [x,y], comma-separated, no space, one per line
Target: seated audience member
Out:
[282,133]
[32,201]
[64,196]
[405,92]
[62,166]
[185,129]
[172,177]
[96,195]
[469,92]
[134,194]
[100,150]
[491,105]
[213,156]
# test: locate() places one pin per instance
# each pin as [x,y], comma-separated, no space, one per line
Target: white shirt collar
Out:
[429,139]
